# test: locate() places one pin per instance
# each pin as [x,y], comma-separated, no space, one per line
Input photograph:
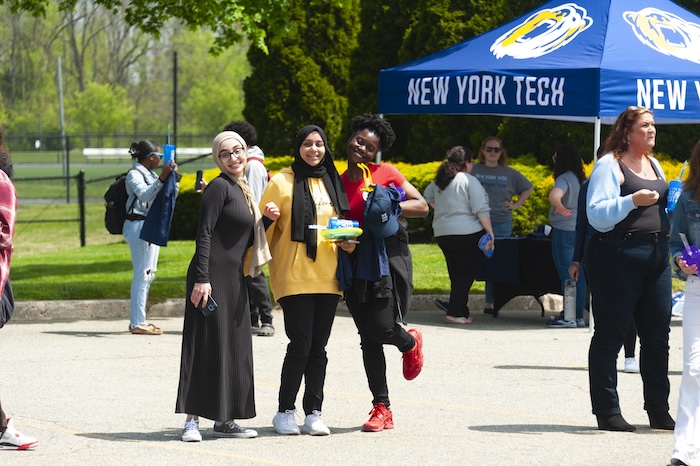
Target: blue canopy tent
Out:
[585,61]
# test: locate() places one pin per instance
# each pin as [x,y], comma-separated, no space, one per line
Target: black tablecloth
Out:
[521,265]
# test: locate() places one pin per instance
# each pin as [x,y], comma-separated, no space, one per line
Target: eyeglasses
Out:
[237,152]
[492,149]
[156,153]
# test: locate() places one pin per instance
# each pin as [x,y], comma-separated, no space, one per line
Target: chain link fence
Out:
[58,192]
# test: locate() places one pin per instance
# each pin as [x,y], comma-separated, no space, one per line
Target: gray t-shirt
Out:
[568,183]
[501,184]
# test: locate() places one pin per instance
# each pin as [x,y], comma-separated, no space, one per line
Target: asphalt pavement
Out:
[505,391]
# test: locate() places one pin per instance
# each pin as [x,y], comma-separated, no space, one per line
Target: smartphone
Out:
[209,308]
[198,183]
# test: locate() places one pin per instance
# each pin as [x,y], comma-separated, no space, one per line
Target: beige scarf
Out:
[259,254]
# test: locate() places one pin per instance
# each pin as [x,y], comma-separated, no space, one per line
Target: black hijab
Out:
[303,207]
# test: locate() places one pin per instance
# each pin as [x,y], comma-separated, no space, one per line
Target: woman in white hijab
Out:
[216,369]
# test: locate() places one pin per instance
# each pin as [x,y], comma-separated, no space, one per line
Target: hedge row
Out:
[534,212]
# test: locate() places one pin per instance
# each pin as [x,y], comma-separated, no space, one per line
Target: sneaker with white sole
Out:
[631,365]
[230,429]
[581,322]
[190,431]
[285,423]
[12,439]
[314,425]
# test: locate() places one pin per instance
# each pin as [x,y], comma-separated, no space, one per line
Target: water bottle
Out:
[569,300]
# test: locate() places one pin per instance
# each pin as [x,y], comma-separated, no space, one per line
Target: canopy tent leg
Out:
[596,138]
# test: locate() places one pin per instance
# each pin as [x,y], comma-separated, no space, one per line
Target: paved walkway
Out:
[505,391]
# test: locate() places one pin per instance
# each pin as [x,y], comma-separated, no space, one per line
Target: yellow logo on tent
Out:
[543,32]
[666,33]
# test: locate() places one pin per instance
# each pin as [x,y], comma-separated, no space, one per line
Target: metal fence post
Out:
[81,205]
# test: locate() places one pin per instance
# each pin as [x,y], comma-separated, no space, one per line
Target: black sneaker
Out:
[230,429]
[491,311]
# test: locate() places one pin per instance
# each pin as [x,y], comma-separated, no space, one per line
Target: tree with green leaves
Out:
[303,78]
[100,108]
[233,20]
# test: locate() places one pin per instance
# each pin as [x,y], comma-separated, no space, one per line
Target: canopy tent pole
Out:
[596,138]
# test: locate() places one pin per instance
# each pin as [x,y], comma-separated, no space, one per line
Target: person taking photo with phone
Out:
[142,187]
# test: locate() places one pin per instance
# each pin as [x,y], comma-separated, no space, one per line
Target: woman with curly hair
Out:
[378,301]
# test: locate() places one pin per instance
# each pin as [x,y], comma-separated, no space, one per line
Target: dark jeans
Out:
[308,319]
[464,259]
[629,277]
[259,297]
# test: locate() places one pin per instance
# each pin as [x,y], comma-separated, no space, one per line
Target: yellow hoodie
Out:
[292,272]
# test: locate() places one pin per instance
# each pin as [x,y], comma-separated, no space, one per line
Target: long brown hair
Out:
[503,159]
[568,159]
[692,182]
[616,141]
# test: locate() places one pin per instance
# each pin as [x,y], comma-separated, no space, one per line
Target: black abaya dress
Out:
[216,369]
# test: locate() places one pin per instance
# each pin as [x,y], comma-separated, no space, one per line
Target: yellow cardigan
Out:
[292,272]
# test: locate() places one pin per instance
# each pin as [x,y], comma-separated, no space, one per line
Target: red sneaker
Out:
[380,418]
[413,358]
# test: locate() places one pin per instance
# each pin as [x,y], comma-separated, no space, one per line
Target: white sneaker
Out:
[631,365]
[313,424]
[285,423]
[12,439]
[190,431]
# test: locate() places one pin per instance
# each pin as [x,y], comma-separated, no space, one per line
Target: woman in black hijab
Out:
[303,273]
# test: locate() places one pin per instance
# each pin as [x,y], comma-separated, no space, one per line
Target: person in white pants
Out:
[686,221]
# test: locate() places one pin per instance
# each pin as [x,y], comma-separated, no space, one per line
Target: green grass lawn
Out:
[104,272]
[49,264]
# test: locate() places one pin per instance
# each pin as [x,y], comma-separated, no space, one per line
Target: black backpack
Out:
[115,205]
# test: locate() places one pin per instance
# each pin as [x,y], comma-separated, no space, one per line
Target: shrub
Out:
[534,212]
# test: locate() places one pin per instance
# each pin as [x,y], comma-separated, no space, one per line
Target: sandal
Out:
[458,320]
[145,329]
[266,330]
